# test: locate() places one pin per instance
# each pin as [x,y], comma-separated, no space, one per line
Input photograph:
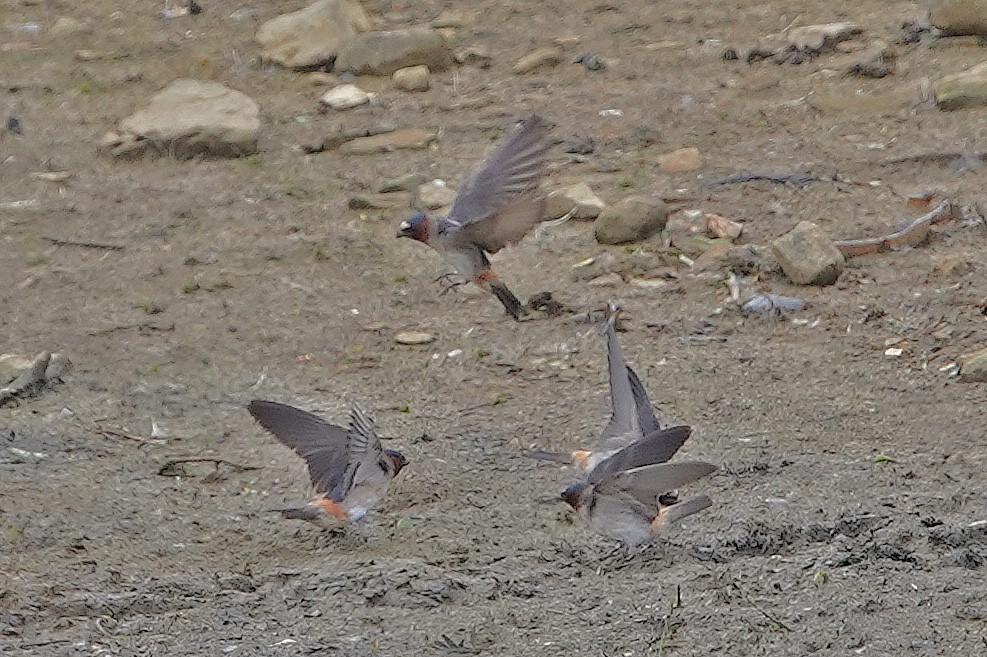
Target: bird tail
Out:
[308,513]
[672,514]
[511,303]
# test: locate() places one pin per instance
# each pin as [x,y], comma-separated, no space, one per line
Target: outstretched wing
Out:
[646,417]
[656,447]
[648,482]
[624,427]
[363,450]
[322,445]
[499,203]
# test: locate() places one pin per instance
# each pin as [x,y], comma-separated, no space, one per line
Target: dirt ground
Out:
[850,508]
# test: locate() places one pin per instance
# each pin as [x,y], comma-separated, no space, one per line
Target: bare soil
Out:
[850,506]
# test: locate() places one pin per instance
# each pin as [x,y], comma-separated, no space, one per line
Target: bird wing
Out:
[620,516]
[680,510]
[364,451]
[322,445]
[499,188]
[646,483]
[624,427]
[656,447]
[646,417]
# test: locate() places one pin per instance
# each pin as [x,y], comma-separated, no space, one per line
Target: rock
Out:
[959,90]
[816,38]
[69,27]
[322,79]
[880,104]
[312,36]
[23,375]
[808,256]
[721,227]
[189,118]
[973,366]
[631,219]
[405,183]
[874,61]
[344,97]
[613,279]
[961,17]
[382,53]
[541,58]
[412,78]
[414,337]
[409,138]
[474,56]
[578,199]
[433,195]
[369,202]
[684,159]
[714,257]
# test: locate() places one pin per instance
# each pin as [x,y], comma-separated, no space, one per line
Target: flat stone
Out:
[406,183]
[816,38]
[312,36]
[541,58]
[721,227]
[973,366]
[69,27]
[189,118]
[344,97]
[808,256]
[631,219]
[322,79]
[383,53]
[578,199]
[879,104]
[414,337]
[433,195]
[961,17]
[371,202]
[681,160]
[412,78]
[474,56]
[965,89]
[409,138]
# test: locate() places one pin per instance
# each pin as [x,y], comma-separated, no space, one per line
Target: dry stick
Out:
[88,245]
[750,601]
[912,235]
[170,465]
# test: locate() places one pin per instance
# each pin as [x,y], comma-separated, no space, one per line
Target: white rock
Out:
[312,36]
[344,97]
[578,199]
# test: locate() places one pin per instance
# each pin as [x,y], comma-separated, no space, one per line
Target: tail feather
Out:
[310,514]
[511,303]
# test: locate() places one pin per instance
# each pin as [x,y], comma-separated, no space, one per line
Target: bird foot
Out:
[449,283]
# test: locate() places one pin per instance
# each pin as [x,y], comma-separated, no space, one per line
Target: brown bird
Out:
[349,469]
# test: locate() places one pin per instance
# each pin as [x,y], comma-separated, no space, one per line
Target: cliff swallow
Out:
[349,470]
[496,206]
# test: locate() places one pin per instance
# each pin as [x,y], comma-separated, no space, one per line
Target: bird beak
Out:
[405,230]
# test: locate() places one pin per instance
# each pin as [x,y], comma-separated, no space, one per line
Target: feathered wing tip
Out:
[510,302]
[610,315]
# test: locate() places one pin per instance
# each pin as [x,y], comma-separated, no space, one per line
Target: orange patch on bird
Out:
[487,276]
[659,519]
[579,457]
[332,508]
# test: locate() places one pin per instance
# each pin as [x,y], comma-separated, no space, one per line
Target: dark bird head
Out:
[397,458]
[415,227]
[574,495]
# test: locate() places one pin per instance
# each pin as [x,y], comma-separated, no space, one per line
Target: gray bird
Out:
[496,206]
[349,469]
[633,417]
[623,504]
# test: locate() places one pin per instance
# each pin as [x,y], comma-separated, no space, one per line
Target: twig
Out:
[112,433]
[799,179]
[756,606]
[912,235]
[57,241]
[168,469]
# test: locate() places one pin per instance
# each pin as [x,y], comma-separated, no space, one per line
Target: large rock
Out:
[578,199]
[407,139]
[189,118]
[808,256]
[966,89]
[632,219]
[382,53]
[961,17]
[974,366]
[312,36]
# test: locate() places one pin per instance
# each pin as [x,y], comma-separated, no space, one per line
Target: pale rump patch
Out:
[330,507]
[659,519]
[579,458]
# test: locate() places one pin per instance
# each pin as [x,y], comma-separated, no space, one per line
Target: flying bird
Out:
[349,469]
[495,206]
[633,417]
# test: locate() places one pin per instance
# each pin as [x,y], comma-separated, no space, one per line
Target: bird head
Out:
[397,458]
[574,495]
[415,227]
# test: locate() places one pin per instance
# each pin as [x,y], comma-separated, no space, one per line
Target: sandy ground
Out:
[850,505]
